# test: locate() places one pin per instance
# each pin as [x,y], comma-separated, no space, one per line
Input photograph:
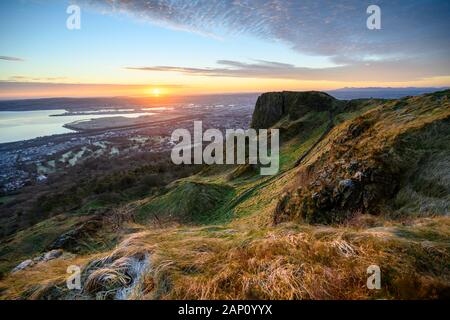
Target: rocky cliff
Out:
[390,159]
[272,107]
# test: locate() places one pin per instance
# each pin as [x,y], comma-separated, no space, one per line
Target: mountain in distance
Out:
[381,92]
[362,182]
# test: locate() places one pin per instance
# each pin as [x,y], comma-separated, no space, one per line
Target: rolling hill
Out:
[361,182]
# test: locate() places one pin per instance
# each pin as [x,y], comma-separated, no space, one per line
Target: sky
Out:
[179,47]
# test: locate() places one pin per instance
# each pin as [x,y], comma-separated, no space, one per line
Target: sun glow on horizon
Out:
[156,92]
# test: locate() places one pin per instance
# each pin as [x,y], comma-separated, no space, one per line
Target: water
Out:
[24,125]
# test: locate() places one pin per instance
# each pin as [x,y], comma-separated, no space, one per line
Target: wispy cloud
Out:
[37,82]
[38,79]
[412,44]
[329,28]
[7,58]
[392,70]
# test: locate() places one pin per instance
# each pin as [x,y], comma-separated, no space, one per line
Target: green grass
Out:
[28,243]
[291,151]
[188,201]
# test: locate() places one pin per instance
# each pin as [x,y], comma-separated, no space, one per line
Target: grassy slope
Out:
[188,200]
[290,261]
[238,253]
[35,239]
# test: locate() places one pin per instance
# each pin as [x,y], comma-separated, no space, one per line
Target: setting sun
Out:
[156,92]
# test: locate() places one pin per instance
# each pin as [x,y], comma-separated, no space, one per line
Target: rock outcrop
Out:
[272,107]
[50,255]
[375,163]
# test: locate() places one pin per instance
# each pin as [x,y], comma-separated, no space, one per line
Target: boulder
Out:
[53,254]
[23,265]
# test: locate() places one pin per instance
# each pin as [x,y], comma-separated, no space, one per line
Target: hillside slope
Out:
[361,182]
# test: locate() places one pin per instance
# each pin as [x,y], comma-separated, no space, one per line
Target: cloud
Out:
[18,81]
[11,58]
[392,70]
[38,79]
[328,28]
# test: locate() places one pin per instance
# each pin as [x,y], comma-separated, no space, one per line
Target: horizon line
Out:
[175,95]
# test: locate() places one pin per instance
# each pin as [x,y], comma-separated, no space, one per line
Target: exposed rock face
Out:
[365,163]
[333,195]
[272,107]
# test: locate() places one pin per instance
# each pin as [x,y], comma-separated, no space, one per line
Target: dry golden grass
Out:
[289,261]
[36,282]
[299,262]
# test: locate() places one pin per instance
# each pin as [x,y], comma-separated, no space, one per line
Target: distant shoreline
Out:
[94,103]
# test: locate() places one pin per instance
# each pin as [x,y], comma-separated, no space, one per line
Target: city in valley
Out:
[112,137]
